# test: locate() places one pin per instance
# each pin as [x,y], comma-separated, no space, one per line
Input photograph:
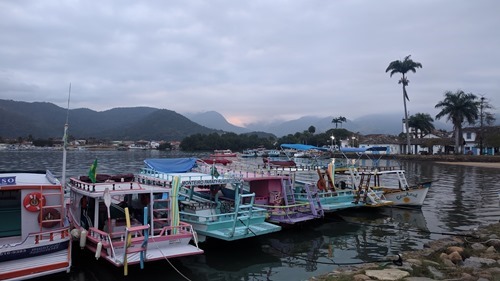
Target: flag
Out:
[93,171]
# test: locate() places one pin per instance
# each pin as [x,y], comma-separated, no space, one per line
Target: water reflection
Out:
[460,198]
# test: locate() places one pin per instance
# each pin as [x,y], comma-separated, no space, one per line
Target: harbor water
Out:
[461,198]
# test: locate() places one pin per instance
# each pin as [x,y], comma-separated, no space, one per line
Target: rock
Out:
[491,249]
[478,246]
[418,279]
[444,256]
[429,262]
[467,277]
[455,257]
[414,261]
[387,274]
[448,263]
[360,277]
[476,262]
[452,249]
[494,242]
[435,272]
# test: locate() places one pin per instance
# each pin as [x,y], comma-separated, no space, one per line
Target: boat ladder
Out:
[165,219]
[288,191]
[52,215]
[402,180]
[243,210]
[314,201]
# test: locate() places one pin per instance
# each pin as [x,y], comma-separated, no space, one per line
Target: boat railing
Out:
[105,238]
[181,229]
[39,237]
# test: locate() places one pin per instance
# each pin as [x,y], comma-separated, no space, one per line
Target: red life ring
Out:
[46,217]
[34,201]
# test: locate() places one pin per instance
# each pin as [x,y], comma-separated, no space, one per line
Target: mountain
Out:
[46,120]
[214,120]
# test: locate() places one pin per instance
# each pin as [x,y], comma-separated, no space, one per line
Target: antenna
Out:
[65,141]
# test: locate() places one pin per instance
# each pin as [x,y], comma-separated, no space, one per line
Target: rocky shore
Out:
[470,256]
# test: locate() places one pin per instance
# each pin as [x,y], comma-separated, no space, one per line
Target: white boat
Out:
[126,222]
[391,180]
[34,238]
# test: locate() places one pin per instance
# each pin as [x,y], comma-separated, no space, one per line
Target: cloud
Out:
[249,60]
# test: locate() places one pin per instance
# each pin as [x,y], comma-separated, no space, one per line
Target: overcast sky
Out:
[248,60]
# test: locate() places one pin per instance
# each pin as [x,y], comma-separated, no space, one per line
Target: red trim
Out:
[35,270]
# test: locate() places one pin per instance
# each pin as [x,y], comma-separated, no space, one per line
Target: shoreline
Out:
[473,164]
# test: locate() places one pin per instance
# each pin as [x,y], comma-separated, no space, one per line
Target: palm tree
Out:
[339,120]
[459,107]
[403,67]
[421,122]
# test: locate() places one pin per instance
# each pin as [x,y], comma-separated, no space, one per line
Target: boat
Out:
[210,217]
[338,195]
[34,238]
[276,195]
[223,153]
[216,160]
[126,222]
[389,179]
[248,153]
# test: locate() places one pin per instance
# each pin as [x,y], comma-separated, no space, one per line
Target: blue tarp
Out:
[171,165]
[299,146]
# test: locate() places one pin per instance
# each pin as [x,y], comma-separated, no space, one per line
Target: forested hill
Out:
[46,120]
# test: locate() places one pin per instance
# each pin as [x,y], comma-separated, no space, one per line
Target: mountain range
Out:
[46,120]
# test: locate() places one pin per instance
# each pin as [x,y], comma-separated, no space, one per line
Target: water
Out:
[460,198]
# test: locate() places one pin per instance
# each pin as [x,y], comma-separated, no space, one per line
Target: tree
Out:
[485,118]
[339,120]
[403,67]
[311,130]
[459,107]
[422,123]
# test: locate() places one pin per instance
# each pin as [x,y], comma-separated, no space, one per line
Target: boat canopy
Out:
[364,149]
[171,165]
[299,146]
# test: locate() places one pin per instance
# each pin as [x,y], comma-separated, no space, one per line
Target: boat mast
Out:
[65,142]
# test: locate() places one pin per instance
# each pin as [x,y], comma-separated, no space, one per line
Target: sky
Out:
[251,61]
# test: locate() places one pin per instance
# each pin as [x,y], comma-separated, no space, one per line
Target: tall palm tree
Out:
[339,120]
[459,107]
[421,122]
[403,67]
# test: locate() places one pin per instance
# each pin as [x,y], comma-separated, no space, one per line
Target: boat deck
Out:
[156,253]
[36,266]
[240,232]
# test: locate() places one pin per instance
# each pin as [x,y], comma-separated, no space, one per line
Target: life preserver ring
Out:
[48,217]
[34,201]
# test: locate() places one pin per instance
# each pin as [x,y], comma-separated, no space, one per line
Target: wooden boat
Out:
[337,195]
[391,180]
[34,239]
[211,217]
[276,195]
[126,222]
[248,153]
[216,160]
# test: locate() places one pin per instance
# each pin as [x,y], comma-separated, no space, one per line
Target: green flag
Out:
[93,171]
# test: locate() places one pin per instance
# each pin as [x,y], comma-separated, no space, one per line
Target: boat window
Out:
[10,213]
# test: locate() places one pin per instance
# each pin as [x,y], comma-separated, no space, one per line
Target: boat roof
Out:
[192,178]
[299,146]
[27,178]
[97,189]
[171,165]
